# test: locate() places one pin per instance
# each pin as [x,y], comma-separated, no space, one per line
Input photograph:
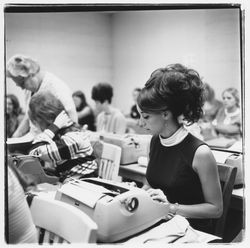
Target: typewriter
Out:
[119,210]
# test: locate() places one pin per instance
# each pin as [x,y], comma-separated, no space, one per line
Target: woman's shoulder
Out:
[155,139]
[191,138]
[190,144]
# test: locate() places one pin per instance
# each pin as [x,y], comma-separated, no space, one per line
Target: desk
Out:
[133,172]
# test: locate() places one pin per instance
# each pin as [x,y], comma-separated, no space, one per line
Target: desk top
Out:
[238,193]
[134,168]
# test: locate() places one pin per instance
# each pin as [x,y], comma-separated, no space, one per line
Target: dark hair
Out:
[175,88]
[81,95]
[16,106]
[45,107]
[102,92]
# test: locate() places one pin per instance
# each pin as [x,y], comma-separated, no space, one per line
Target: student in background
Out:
[85,113]
[228,119]
[134,114]
[62,144]
[182,170]
[211,105]
[13,115]
[19,224]
[210,109]
[109,119]
[133,118]
[28,75]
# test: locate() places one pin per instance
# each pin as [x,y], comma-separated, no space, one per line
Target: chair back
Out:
[227,176]
[109,162]
[59,222]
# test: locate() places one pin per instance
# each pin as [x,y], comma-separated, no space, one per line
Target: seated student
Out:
[182,170]
[85,113]
[228,119]
[134,114]
[20,227]
[14,114]
[133,118]
[210,109]
[61,144]
[211,105]
[109,119]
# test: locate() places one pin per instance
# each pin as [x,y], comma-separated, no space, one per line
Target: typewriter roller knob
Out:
[131,204]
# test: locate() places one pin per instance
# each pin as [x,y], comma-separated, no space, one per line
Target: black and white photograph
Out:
[124,123]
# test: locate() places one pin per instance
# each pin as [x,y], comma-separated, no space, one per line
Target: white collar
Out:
[176,138]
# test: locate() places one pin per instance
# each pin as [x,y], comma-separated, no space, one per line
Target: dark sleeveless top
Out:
[89,120]
[170,169]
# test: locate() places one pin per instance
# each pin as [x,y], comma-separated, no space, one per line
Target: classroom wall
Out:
[123,48]
[74,46]
[206,40]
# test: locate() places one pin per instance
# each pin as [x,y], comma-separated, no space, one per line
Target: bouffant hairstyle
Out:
[21,66]
[81,95]
[102,92]
[175,88]
[44,107]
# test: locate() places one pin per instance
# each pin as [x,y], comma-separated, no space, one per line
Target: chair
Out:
[59,222]
[109,162]
[227,176]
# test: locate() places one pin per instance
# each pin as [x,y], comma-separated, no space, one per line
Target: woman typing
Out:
[181,170]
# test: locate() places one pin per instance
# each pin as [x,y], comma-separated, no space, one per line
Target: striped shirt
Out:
[66,148]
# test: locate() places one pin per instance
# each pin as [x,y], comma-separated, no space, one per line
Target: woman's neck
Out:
[108,109]
[170,129]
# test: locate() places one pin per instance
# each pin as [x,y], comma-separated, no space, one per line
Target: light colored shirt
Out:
[61,91]
[113,122]
[223,117]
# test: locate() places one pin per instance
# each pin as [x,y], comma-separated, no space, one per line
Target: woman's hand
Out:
[63,120]
[157,195]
